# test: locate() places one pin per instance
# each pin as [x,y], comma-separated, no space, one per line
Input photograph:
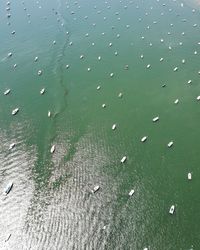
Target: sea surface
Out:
[134,57]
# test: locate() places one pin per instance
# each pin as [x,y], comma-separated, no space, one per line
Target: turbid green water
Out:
[51,205]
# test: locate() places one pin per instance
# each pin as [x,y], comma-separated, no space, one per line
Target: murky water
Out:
[102,63]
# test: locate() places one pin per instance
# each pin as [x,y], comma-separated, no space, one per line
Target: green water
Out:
[51,205]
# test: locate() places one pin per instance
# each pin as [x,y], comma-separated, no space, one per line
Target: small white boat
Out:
[9,54]
[36,59]
[183,61]
[7,92]
[15,65]
[98,87]
[142,56]
[54,42]
[53,149]
[148,66]
[110,44]
[114,126]
[170,144]
[189,81]
[143,139]
[172,209]
[131,192]
[88,69]
[81,56]
[175,69]
[8,188]
[189,176]
[161,59]
[39,72]
[95,189]
[198,98]
[99,58]
[123,159]
[42,91]
[49,114]
[103,105]
[155,119]
[15,111]
[67,66]
[116,53]
[111,74]
[120,95]
[176,101]
[12,145]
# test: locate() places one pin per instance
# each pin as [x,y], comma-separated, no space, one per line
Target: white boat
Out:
[111,74]
[176,68]
[123,159]
[98,87]
[142,56]
[172,209]
[8,188]
[161,59]
[42,91]
[7,92]
[99,58]
[155,119]
[148,66]
[36,59]
[189,176]
[189,81]
[81,56]
[12,145]
[53,149]
[183,61]
[15,111]
[144,139]
[170,144]
[103,105]
[88,69]
[198,98]
[49,114]
[114,126]
[95,189]
[176,101]
[9,54]
[131,192]
[67,66]
[120,95]
[39,72]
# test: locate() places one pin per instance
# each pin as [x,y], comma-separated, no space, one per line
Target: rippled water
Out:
[51,204]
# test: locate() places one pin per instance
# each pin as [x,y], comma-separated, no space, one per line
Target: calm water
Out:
[51,205]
